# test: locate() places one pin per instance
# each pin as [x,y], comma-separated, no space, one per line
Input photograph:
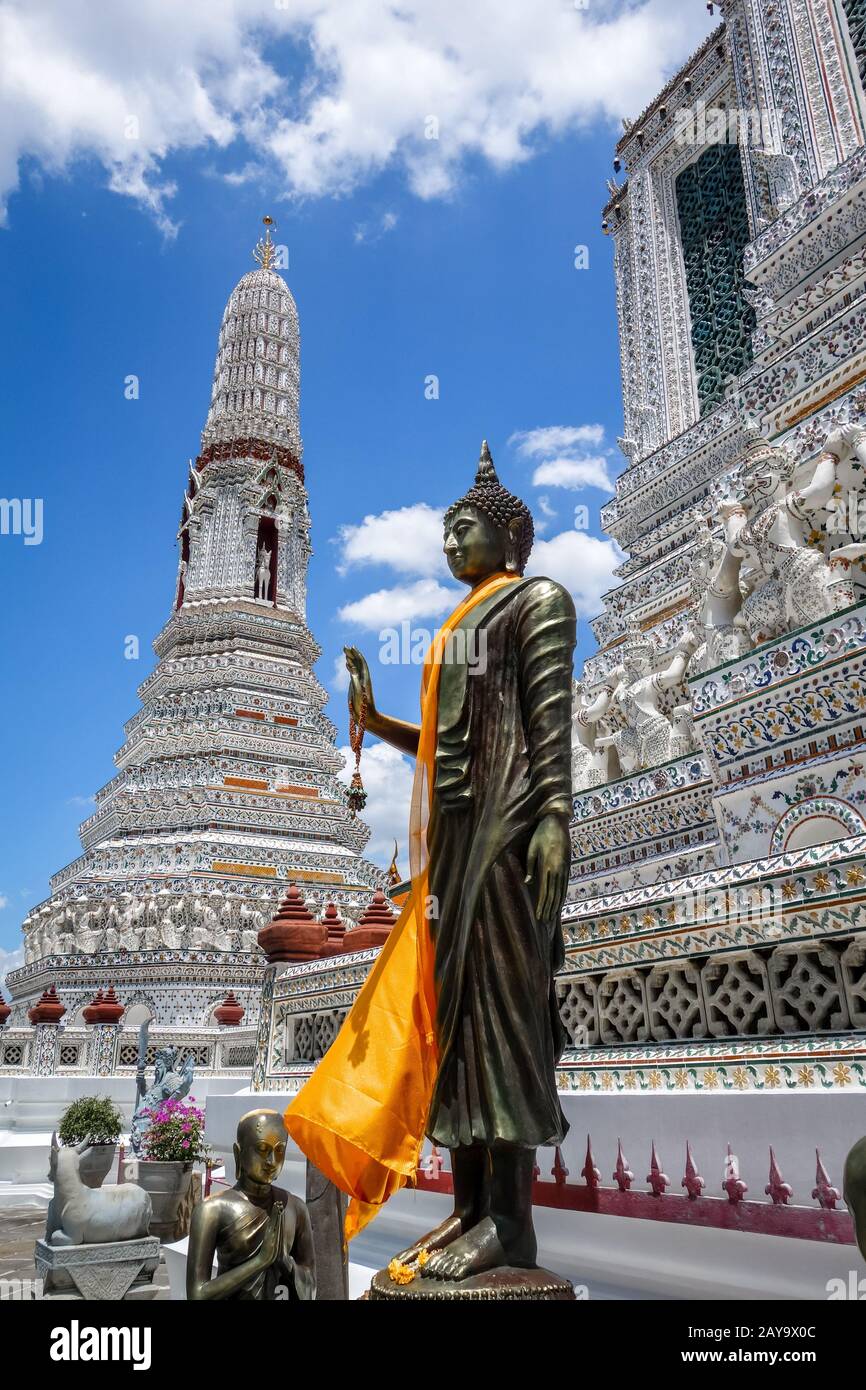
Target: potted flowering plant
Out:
[172,1143]
[95,1121]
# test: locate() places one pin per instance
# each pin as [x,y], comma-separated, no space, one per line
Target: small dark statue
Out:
[169,1083]
[260,1234]
[499,855]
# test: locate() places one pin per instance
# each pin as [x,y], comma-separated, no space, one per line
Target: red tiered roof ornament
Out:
[48,1008]
[5,1010]
[336,929]
[230,1012]
[294,934]
[373,926]
[103,1008]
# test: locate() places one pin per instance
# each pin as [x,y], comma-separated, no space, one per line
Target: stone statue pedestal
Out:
[497,1286]
[111,1271]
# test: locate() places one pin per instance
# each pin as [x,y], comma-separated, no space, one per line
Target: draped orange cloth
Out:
[361,1116]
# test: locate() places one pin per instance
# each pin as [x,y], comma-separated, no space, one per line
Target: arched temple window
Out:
[266,556]
[137,1014]
[184,566]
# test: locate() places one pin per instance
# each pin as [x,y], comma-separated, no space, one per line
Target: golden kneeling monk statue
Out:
[260,1234]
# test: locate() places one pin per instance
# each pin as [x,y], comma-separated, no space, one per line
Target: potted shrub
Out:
[171,1145]
[94,1120]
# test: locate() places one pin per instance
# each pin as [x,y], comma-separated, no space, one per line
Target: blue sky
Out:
[462,268]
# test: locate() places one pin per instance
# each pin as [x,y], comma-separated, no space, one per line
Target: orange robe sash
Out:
[361,1116]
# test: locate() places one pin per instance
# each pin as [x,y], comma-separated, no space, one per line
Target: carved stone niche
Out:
[326,1026]
[302,1050]
[578,1009]
[675,1001]
[737,996]
[622,1008]
[808,989]
[854,977]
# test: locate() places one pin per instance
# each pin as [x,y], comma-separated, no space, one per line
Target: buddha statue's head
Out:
[488,530]
[260,1147]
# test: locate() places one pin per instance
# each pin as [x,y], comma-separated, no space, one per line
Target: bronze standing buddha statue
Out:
[499,855]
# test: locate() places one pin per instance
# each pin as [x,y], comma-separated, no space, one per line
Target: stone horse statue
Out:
[80,1215]
[169,1083]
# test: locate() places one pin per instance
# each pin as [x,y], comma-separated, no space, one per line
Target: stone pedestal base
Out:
[114,1270]
[498,1286]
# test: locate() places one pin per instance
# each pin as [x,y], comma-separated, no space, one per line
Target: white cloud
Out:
[387,777]
[386,608]
[561,457]
[548,513]
[10,960]
[81,801]
[340,678]
[368,232]
[408,540]
[583,564]
[364,86]
[554,439]
[573,473]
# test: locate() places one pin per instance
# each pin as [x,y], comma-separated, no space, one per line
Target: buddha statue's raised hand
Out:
[360,683]
[394,731]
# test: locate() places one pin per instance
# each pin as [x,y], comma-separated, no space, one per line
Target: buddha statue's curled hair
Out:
[501,506]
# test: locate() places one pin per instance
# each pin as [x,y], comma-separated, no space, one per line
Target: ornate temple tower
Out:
[227,784]
[719,830]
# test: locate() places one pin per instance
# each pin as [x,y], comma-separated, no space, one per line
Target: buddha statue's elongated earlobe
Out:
[512,547]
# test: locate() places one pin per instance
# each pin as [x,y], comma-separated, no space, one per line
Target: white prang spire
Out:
[227,785]
[257,379]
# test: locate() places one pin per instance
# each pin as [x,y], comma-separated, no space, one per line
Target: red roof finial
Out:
[294,933]
[622,1174]
[692,1182]
[777,1188]
[336,929]
[48,1008]
[374,925]
[657,1180]
[230,1012]
[103,1008]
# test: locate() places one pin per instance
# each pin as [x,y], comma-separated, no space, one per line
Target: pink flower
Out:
[184,1143]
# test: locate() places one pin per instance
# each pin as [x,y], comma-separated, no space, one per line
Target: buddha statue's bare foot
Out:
[477,1251]
[437,1239]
